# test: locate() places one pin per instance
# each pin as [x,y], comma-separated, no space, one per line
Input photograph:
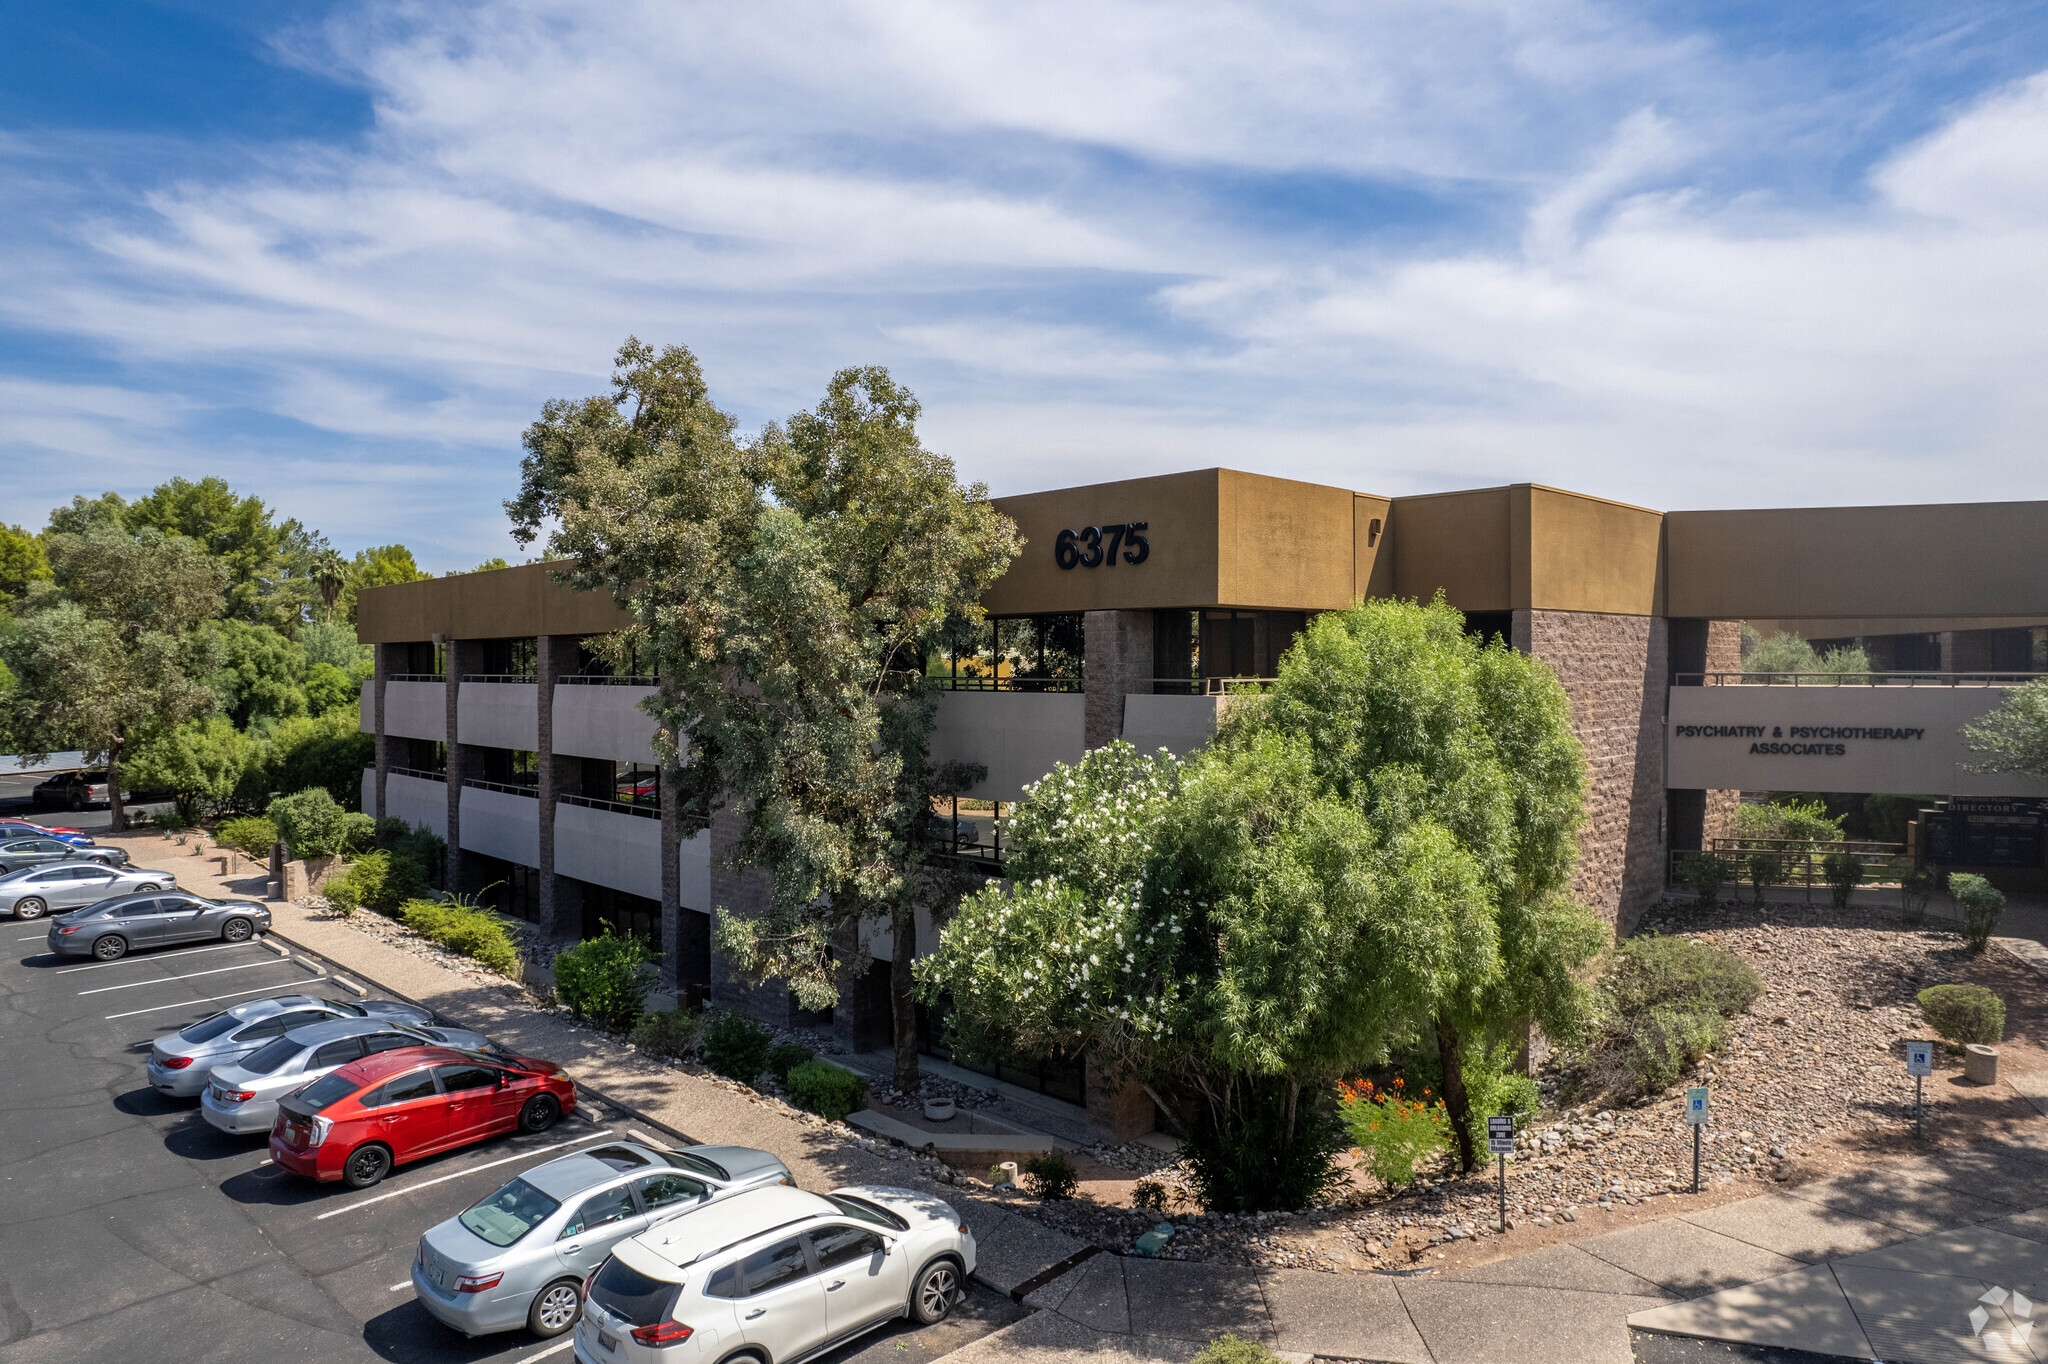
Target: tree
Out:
[259,674]
[2013,736]
[1786,652]
[236,530]
[22,563]
[789,588]
[116,656]
[329,751]
[1467,750]
[377,566]
[201,763]
[108,509]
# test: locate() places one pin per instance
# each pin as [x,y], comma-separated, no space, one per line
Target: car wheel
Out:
[146,887]
[113,947]
[366,1165]
[238,930]
[30,908]
[555,1308]
[77,804]
[932,1300]
[539,1114]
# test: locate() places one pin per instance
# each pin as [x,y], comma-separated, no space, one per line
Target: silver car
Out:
[110,928]
[181,1062]
[40,850]
[241,1097]
[74,884]
[519,1258]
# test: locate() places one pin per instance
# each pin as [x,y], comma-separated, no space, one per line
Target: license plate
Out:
[608,1340]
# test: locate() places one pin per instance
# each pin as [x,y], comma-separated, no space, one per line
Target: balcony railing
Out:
[608,680]
[416,772]
[527,678]
[1793,861]
[948,682]
[506,787]
[1208,686]
[415,677]
[1891,679]
[970,843]
[624,807]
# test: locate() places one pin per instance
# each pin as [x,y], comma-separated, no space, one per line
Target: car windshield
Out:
[509,1213]
[266,1059]
[867,1212]
[328,1089]
[352,1010]
[209,1029]
[625,1292]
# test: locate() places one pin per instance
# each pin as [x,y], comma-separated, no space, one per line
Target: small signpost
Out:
[1696,1114]
[1500,1141]
[1919,1065]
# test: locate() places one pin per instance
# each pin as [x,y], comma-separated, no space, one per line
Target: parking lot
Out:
[135,1230]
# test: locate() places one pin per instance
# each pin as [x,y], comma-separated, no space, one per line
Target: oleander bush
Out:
[736,1046]
[606,979]
[467,929]
[1981,904]
[827,1090]
[1964,1014]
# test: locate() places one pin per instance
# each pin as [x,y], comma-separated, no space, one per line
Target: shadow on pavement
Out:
[148,1103]
[407,1335]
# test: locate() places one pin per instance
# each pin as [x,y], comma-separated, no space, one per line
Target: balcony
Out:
[496,712]
[610,844]
[501,821]
[600,717]
[415,797]
[414,708]
[1017,736]
[1179,724]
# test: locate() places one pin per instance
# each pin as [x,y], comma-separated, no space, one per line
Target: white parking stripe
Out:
[232,994]
[395,1287]
[131,961]
[33,936]
[551,1350]
[193,975]
[474,1169]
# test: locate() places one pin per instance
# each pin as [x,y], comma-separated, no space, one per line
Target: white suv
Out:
[774,1275]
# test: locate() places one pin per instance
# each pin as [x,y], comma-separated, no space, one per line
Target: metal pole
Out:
[1695,1157]
[1503,1191]
[1917,1081]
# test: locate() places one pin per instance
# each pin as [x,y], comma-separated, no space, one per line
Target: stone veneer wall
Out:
[1117,663]
[1614,670]
[745,892]
[1724,655]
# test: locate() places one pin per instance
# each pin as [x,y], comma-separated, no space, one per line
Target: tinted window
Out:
[388,1041]
[328,1089]
[135,909]
[843,1245]
[268,1058]
[208,1029]
[455,1078]
[43,877]
[725,1283]
[172,904]
[346,1009]
[406,1088]
[336,1053]
[509,1213]
[626,1292]
[781,1263]
[25,845]
[868,1212]
[659,1191]
[599,1210]
[683,1160]
[619,1157]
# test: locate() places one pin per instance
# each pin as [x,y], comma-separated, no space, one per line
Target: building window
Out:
[593,658]
[625,782]
[420,658]
[508,887]
[1014,653]
[626,915]
[509,766]
[1191,647]
[420,755]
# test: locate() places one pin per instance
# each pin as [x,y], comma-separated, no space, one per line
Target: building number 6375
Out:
[1087,549]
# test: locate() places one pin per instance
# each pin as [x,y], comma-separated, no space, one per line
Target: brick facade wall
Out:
[1614,670]
[1118,663]
[1724,655]
[744,892]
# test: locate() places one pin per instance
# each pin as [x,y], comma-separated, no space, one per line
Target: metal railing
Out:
[624,807]
[506,787]
[608,680]
[416,772]
[1886,679]
[1208,686]
[948,682]
[527,678]
[964,843]
[415,677]
[1791,861]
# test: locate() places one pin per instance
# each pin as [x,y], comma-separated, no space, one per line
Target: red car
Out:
[354,1124]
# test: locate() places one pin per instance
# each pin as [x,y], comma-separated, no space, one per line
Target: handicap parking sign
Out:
[1696,1105]
[1919,1058]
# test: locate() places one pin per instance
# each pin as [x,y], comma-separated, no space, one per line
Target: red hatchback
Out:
[354,1124]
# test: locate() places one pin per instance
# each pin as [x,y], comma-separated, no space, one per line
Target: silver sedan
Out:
[35,891]
[241,1097]
[519,1258]
[181,1062]
[109,929]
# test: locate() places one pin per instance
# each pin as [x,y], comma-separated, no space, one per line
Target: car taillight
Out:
[167,1062]
[585,1295]
[663,1333]
[68,931]
[477,1283]
[235,1096]
[321,1127]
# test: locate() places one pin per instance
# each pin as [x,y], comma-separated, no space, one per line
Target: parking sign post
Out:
[1919,1065]
[1696,1114]
[1500,1141]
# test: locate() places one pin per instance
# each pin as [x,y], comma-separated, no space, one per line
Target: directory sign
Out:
[1696,1105]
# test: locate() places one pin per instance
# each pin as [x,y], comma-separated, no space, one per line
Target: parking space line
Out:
[459,1174]
[185,1003]
[395,1287]
[33,936]
[133,961]
[551,1350]
[192,975]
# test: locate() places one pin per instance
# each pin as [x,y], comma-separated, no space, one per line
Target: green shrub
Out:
[358,833]
[1964,1014]
[1664,1041]
[736,1046]
[1393,1132]
[466,929]
[415,842]
[383,881]
[1235,1350]
[252,835]
[785,1058]
[1149,1194]
[1764,869]
[1051,1176]
[1982,905]
[823,1088]
[1843,873]
[670,1035]
[605,979]
[310,823]
[1256,1161]
[1663,1004]
[1703,874]
[1918,885]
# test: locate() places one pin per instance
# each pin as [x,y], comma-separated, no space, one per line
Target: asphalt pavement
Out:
[135,1230]
[16,802]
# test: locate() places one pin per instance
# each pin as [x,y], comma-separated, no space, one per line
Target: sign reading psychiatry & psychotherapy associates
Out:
[1901,739]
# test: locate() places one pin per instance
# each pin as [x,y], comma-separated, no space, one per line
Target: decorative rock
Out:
[1154,1241]
[1980,1064]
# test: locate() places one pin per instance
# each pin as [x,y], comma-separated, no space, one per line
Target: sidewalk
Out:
[1839,1266]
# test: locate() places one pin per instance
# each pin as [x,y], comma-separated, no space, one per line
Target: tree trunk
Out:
[117,813]
[902,1003]
[1457,1103]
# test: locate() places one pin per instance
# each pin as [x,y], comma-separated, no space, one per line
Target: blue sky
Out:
[1681,255]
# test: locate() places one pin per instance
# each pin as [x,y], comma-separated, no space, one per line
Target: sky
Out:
[1681,255]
